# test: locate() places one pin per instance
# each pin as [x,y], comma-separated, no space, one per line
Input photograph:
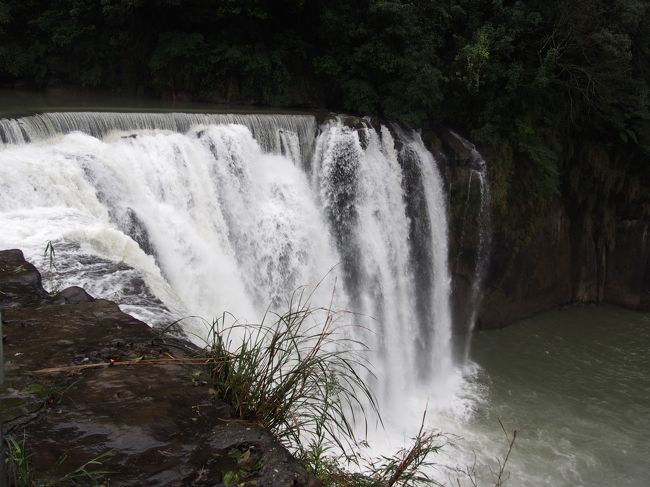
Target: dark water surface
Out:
[16,103]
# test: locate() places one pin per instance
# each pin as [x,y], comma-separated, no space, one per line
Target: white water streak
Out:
[484,229]
[441,357]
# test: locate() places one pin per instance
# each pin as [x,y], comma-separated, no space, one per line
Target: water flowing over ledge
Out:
[189,214]
[267,129]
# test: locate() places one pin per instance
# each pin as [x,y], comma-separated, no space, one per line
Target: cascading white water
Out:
[232,213]
[270,131]
[228,226]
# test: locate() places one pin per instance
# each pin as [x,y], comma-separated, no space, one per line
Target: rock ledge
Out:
[156,424]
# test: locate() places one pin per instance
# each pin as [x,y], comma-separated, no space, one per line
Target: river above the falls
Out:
[575,384]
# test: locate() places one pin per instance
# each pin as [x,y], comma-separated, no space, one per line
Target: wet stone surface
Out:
[151,424]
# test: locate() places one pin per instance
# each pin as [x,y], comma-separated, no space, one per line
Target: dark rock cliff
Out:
[564,261]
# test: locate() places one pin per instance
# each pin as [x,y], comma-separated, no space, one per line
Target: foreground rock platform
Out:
[145,424]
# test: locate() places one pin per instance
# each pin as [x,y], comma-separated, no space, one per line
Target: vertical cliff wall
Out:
[567,259]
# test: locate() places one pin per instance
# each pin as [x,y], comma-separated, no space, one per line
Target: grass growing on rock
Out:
[18,467]
[300,376]
[295,373]
[407,467]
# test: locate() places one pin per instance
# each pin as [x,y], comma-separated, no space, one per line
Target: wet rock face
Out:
[628,266]
[155,424]
[523,281]
[566,261]
[73,295]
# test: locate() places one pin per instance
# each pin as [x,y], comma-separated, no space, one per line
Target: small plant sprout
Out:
[17,461]
[21,474]
[50,254]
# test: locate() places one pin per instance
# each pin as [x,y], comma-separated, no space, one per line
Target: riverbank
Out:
[146,423]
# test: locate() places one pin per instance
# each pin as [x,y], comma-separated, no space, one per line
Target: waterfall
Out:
[199,214]
[274,133]
[483,228]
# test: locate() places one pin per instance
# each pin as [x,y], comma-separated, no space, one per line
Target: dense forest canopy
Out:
[554,92]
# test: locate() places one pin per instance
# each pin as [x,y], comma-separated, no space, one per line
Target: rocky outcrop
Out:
[149,424]
[21,282]
[565,262]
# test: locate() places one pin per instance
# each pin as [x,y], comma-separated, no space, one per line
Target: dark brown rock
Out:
[73,295]
[156,424]
[21,282]
[567,260]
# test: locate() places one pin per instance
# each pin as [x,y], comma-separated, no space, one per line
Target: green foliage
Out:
[50,254]
[407,467]
[176,60]
[475,56]
[17,461]
[89,473]
[21,475]
[248,462]
[297,376]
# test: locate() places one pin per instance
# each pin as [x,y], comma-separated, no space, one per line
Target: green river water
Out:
[576,385]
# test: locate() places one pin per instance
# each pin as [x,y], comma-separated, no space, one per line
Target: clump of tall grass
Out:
[299,375]
[410,466]
[295,373]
